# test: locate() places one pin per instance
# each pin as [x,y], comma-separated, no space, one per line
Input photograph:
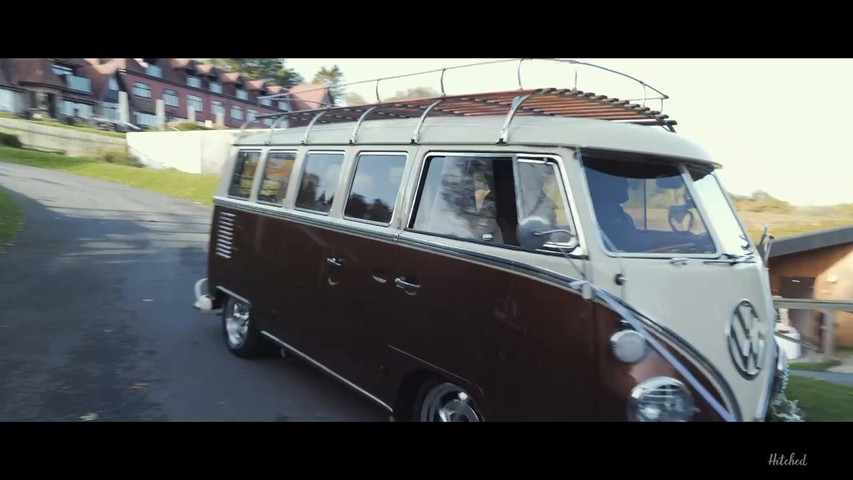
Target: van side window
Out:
[375,187]
[469,197]
[319,180]
[276,176]
[244,173]
[542,196]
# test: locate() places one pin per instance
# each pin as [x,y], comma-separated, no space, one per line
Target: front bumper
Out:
[203,301]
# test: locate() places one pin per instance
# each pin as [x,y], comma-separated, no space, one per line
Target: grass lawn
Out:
[196,187]
[10,218]
[815,366]
[821,401]
[49,122]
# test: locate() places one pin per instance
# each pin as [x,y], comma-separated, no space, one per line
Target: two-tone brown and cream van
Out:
[534,255]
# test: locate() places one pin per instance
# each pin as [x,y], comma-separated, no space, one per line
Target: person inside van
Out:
[608,193]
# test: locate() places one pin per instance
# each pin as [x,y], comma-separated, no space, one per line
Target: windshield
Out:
[644,207]
[715,203]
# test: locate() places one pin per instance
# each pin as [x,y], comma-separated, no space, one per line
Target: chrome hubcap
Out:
[237,323]
[448,403]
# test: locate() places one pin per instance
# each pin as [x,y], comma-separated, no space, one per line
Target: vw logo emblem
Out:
[745,336]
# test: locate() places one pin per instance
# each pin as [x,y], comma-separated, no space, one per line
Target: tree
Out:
[333,77]
[355,99]
[414,93]
[270,69]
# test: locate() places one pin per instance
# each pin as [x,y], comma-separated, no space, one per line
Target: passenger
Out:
[608,193]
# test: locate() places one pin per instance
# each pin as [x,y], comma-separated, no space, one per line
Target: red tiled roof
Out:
[255,84]
[203,68]
[309,96]
[229,77]
[179,62]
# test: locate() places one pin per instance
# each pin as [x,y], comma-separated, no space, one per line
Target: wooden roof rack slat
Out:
[553,102]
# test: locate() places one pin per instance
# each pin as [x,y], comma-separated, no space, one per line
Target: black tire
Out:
[433,388]
[251,343]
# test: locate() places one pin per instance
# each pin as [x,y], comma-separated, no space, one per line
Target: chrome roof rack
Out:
[552,102]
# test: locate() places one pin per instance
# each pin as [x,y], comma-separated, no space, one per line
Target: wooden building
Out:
[815,265]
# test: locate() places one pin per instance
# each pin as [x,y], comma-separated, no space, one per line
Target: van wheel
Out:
[440,401]
[241,335]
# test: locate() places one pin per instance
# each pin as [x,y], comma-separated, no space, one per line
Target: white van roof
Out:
[485,130]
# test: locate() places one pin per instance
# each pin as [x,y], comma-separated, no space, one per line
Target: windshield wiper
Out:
[732,259]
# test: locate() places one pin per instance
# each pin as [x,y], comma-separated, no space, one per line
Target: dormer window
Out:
[242,94]
[193,81]
[215,87]
[62,70]
[112,84]
[154,70]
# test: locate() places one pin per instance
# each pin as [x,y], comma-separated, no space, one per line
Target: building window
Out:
[375,187]
[216,107]
[284,105]
[215,87]
[154,70]
[146,119]
[74,109]
[320,178]
[113,84]
[61,70]
[253,114]
[268,122]
[79,84]
[141,90]
[242,94]
[236,113]
[266,102]
[110,110]
[195,103]
[193,81]
[171,99]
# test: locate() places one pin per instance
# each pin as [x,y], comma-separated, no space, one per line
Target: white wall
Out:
[197,151]
[70,142]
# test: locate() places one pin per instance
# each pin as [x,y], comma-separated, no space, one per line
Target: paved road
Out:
[96,317]
[842,378]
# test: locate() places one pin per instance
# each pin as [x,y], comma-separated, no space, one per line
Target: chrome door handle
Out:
[402,283]
[335,262]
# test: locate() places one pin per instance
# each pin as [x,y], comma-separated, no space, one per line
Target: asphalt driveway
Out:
[97,323]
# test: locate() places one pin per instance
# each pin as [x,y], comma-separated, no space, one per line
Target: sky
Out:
[778,125]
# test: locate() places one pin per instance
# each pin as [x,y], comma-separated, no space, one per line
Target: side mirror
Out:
[534,232]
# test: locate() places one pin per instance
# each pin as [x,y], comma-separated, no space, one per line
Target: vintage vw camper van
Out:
[534,255]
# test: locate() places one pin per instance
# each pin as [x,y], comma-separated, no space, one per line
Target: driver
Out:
[608,194]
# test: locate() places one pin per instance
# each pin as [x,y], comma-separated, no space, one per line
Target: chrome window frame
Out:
[678,164]
[270,152]
[261,162]
[514,154]
[305,158]
[351,181]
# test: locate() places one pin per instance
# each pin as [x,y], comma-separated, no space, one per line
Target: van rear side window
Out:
[375,187]
[244,173]
[319,180]
[276,176]
[469,197]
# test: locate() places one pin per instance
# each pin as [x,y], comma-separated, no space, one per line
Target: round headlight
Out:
[660,399]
